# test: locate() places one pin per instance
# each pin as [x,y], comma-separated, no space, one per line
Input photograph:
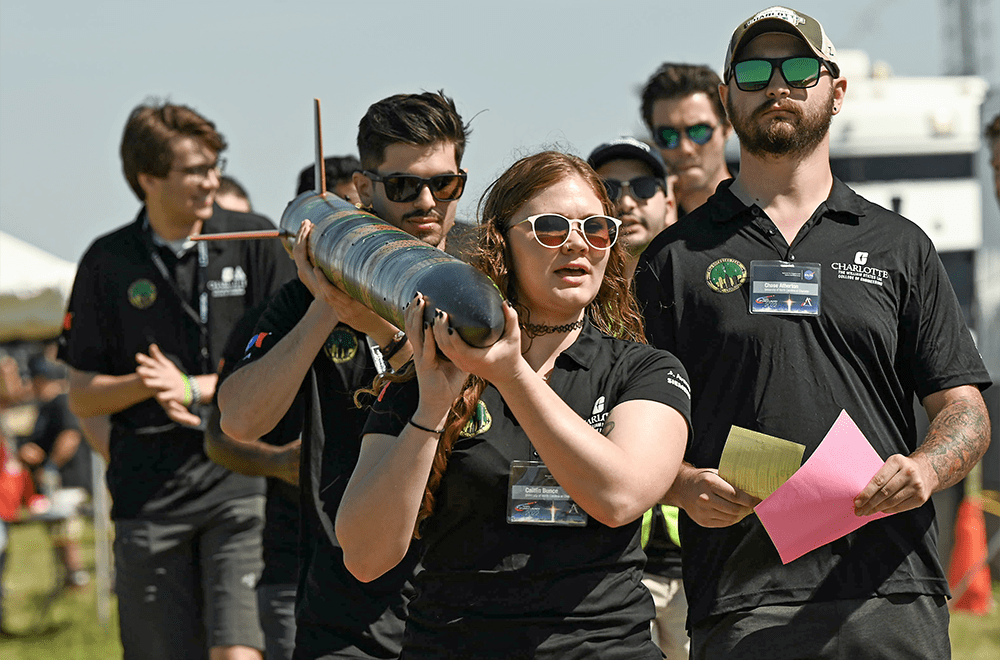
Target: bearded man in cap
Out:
[869,321]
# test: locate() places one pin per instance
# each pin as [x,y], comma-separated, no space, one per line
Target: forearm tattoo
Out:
[956,440]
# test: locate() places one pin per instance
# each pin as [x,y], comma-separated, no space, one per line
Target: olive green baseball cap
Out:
[782,19]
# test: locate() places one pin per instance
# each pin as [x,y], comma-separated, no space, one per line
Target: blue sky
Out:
[533,74]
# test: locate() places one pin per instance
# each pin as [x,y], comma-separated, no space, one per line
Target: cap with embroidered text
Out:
[782,19]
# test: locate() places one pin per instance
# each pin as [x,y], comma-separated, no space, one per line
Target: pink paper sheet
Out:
[816,505]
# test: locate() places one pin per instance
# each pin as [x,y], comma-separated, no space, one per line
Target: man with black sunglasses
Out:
[315,346]
[791,299]
[683,112]
[636,179]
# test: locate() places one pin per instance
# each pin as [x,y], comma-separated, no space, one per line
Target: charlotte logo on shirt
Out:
[232,282]
[598,415]
[860,270]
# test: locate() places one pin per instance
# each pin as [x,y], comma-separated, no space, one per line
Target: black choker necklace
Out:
[533,330]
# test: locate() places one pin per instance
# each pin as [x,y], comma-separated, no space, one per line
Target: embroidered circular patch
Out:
[480,422]
[341,346]
[725,275]
[141,294]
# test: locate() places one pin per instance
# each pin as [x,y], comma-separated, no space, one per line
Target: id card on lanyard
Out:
[783,287]
[535,498]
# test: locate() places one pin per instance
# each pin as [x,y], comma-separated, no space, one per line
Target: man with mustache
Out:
[637,183]
[315,347]
[866,320]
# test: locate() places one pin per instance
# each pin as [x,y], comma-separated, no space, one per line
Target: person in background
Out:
[870,321]
[683,112]
[148,317]
[232,196]
[339,177]
[276,457]
[315,346]
[60,460]
[16,490]
[638,184]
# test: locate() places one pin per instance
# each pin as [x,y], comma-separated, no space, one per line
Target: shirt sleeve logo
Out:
[141,294]
[725,275]
[341,346]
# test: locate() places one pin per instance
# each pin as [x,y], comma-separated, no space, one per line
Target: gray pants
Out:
[903,627]
[186,585]
[276,604]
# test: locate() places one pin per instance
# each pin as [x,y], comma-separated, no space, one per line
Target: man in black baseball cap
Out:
[637,183]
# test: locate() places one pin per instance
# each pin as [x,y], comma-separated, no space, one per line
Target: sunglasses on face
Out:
[552,230]
[407,187]
[799,72]
[641,187]
[668,137]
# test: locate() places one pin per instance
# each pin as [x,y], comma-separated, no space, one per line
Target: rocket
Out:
[384,267]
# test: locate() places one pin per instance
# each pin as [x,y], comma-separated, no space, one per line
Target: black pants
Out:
[904,626]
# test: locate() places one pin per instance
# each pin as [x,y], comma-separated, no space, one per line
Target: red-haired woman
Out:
[526,466]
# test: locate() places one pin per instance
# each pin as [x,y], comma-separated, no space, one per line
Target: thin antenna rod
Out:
[320,170]
[238,235]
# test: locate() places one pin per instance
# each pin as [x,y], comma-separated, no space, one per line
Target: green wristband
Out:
[187,390]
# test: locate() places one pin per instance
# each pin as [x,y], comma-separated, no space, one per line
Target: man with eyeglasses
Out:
[791,299]
[315,347]
[637,183]
[148,317]
[682,109]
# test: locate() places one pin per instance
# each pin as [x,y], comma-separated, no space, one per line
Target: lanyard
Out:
[200,317]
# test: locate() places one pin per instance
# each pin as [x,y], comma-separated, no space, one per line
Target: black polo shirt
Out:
[494,590]
[890,328]
[335,613]
[280,536]
[121,303]
[54,417]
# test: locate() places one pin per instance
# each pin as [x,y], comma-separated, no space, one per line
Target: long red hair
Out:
[614,310]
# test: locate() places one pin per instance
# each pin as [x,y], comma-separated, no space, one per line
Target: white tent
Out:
[34,288]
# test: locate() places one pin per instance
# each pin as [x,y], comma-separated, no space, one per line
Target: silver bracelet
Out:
[195,391]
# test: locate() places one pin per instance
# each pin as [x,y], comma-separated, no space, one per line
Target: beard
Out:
[797,136]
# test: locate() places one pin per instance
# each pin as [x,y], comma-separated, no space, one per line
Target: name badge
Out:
[534,498]
[782,287]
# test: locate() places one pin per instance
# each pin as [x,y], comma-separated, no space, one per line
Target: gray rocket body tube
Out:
[384,267]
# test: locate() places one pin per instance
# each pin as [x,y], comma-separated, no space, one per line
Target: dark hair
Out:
[338,169]
[230,186]
[151,128]
[614,311]
[992,131]
[417,119]
[673,81]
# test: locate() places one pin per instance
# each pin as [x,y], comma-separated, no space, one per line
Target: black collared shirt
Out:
[335,613]
[890,328]
[492,589]
[121,303]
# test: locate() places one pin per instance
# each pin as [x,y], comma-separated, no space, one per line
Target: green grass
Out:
[65,626]
[69,628]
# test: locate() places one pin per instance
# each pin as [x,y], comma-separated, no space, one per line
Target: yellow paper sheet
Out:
[758,463]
